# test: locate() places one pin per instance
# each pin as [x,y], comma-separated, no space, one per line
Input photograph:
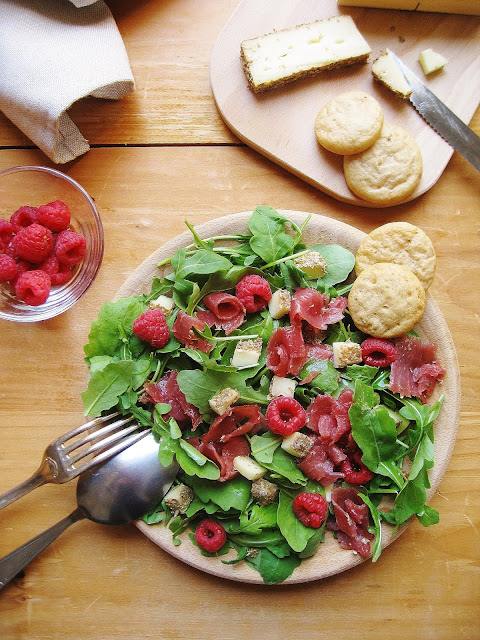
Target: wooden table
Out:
[159,156]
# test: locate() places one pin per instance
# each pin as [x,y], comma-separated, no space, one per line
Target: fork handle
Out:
[33,482]
[14,562]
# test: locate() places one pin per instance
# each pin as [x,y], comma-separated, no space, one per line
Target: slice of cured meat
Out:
[415,370]
[328,416]
[351,520]
[183,331]
[233,423]
[316,309]
[223,454]
[227,311]
[319,464]
[167,391]
[286,351]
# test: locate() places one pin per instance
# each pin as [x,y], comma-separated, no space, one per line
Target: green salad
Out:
[286,430]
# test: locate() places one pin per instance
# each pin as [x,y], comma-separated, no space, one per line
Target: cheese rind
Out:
[385,70]
[276,58]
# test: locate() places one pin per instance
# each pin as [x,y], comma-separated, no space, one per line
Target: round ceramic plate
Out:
[331,558]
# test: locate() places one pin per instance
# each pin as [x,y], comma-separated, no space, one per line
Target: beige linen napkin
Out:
[51,55]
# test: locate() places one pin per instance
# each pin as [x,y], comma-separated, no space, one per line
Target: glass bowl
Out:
[34,186]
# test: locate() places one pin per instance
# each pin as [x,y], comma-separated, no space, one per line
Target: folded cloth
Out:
[51,55]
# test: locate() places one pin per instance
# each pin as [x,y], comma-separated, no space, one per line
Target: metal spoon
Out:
[116,492]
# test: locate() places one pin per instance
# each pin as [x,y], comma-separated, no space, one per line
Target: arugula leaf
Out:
[327,378]
[284,465]
[234,494]
[106,385]
[272,568]
[253,521]
[105,337]
[203,262]
[199,386]
[263,447]
[340,263]
[376,517]
[269,239]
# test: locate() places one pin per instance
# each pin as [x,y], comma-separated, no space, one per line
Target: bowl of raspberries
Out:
[51,243]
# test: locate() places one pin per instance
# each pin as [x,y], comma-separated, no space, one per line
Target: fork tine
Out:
[101,432]
[108,453]
[83,427]
[105,443]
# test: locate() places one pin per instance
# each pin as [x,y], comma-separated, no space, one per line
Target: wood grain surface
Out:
[280,123]
[160,156]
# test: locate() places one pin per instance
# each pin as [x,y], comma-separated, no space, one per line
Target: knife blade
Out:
[441,118]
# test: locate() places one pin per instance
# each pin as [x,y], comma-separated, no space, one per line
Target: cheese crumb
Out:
[178,499]
[264,492]
[312,263]
[297,444]
[346,353]
[164,303]
[431,61]
[279,303]
[282,387]
[223,400]
[247,353]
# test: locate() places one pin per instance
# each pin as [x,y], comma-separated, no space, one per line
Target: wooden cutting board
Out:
[280,123]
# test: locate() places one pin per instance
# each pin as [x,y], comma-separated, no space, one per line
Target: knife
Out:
[441,118]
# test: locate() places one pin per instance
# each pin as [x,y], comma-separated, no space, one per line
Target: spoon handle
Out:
[14,562]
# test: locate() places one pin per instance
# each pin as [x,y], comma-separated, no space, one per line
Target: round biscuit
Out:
[349,123]
[389,170]
[386,300]
[401,243]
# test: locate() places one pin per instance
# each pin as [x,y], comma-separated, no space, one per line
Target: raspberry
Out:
[152,327]
[33,287]
[23,217]
[210,535]
[33,243]
[10,250]
[6,232]
[310,509]
[8,268]
[22,266]
[253,292]
[70,247]
[377,352]
[354,471]
[54,215]
[50,265]
[285,416]
[63,275]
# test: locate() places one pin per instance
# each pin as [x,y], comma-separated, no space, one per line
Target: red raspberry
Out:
[285,416]
[310,509]
[23,217]
[33,243]
[70,247]
[50,265]
[253,292]
[354,471]
[210,535]
[8,268]
[63,275]
[378,352]
[152,327]
[22,266]
[33,287]
[10,250]
[6,233]
[54,215]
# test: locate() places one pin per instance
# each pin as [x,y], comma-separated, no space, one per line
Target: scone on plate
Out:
[349,123]
[389,170]
[401,243]
[386,300]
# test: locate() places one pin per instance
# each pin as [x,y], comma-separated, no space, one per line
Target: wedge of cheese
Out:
[276,58]
[385,70]
[467,7]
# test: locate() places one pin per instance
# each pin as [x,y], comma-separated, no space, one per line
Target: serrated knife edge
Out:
[441,118]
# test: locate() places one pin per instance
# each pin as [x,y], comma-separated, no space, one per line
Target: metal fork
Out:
[78,450]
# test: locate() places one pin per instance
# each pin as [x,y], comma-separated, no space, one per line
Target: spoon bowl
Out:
[115,492]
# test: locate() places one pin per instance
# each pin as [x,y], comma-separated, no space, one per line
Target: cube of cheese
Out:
[297,444]
[282,387]
[312,263]
[279,303]
[385,70]
[264,492]
[247,353]
[164,303]
[248,467]
[431,61]
[178,499]
[345,353]
[223,400]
